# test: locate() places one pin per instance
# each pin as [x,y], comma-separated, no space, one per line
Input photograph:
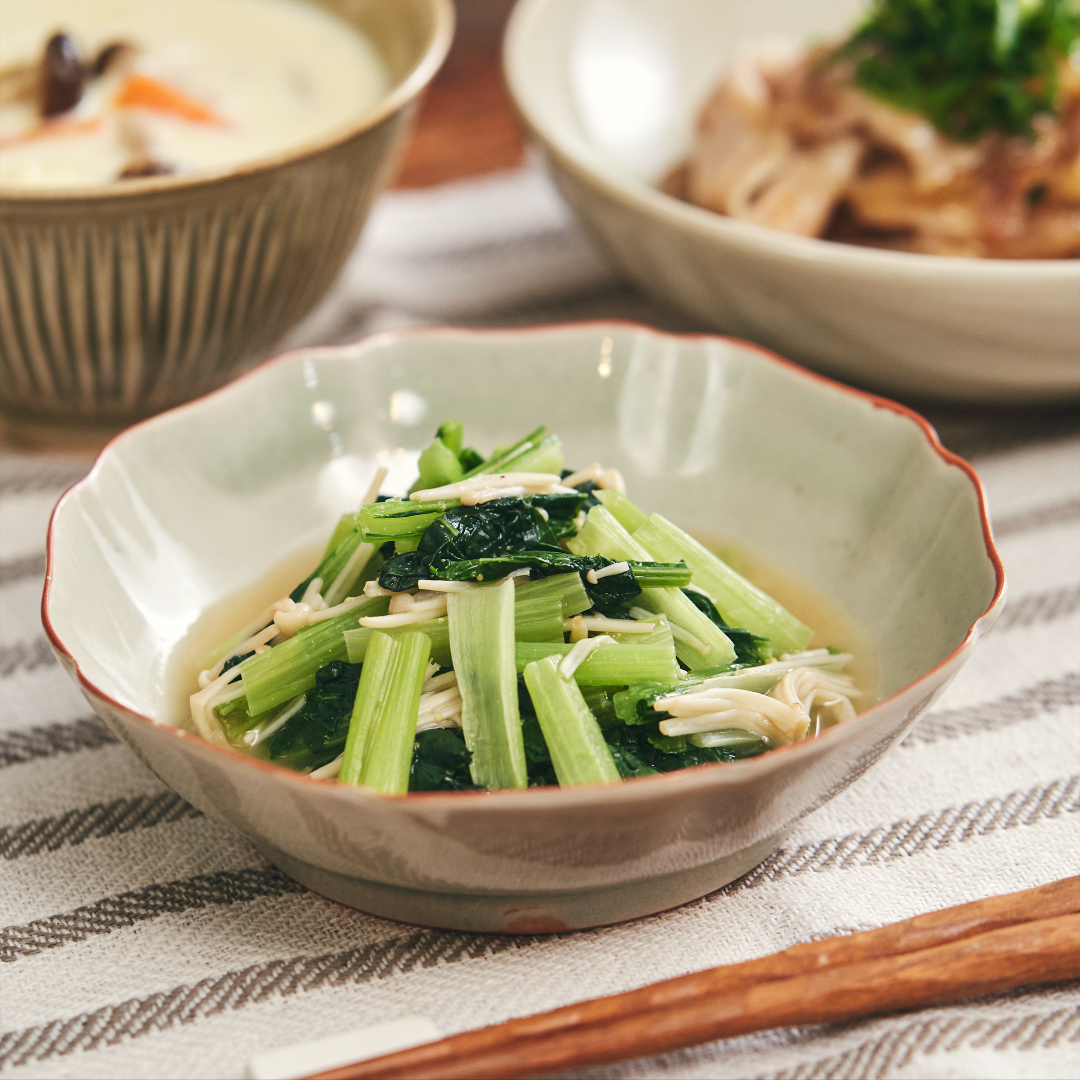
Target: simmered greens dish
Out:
[512,623]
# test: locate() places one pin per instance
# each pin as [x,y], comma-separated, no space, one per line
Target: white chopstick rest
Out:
[303,1059]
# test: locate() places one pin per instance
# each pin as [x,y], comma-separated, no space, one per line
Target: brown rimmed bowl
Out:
[122,299]
[851,494]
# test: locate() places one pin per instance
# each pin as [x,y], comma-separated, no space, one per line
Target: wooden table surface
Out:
[466,124]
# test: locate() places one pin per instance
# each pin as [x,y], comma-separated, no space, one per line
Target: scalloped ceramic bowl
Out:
[611,89]
[851,494]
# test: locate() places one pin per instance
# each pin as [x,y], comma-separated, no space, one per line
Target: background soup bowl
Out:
[611,90]
[122,299]
[851,494]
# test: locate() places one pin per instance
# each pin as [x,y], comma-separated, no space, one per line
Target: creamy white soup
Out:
[93,91]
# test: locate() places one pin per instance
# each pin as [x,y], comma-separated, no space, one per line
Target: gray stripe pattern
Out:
[87,733]
[886,1054]
[1048,696]
[24,476]
[928,832]
[186,1004]
[93,823]
[19,569]
[25,656]
[883,844]
[1040,608]
[1040,518]
[879,845]
[139,905]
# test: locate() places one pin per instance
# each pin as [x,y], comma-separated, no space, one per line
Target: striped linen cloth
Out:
[143,940]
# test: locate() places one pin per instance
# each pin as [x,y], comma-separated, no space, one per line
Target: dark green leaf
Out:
[317,733]
[491,529]
[587,487]
[655,751]
[750,650]
[402,572]
[560,506]
[233,661]
[667,744]
[441,762]
[612,591]
[628,763]
[473,534]
[470,458]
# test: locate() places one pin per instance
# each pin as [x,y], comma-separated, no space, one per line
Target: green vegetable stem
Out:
[288,670]
[579,753]
[482,646]
[379,748]
[699,643]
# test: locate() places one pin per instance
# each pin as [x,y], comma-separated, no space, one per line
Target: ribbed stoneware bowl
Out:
[611,89]
[123,299]
[851,494]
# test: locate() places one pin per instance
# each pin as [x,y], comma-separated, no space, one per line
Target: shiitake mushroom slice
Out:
[62,76]
[145,167]
[113,55]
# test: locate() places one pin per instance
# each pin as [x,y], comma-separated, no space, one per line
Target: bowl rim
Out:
[643,198]
[411,86]
[731,772]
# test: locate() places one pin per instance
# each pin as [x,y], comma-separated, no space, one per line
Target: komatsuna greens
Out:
[511,623]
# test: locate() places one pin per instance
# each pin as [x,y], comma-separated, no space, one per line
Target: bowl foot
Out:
[525,913]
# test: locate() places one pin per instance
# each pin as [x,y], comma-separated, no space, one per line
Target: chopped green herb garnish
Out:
[969,66]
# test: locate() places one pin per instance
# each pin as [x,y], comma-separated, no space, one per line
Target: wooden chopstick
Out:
[982,947]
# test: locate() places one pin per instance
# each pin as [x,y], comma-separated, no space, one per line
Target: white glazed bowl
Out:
[852,494]
[611,89]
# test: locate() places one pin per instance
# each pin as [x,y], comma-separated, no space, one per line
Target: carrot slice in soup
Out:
[142,92]
[52,129]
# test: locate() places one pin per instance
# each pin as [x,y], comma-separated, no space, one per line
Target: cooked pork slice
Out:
[804,192]
[808,101]
[790,142]
[1050,232]
[935,160]
[1014,178]
[675,182]
[1063,183]
[762,67]
[737,152]
[888,200]
[932,244]
[740,139]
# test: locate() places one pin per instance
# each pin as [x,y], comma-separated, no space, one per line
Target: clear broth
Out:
[831,625]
